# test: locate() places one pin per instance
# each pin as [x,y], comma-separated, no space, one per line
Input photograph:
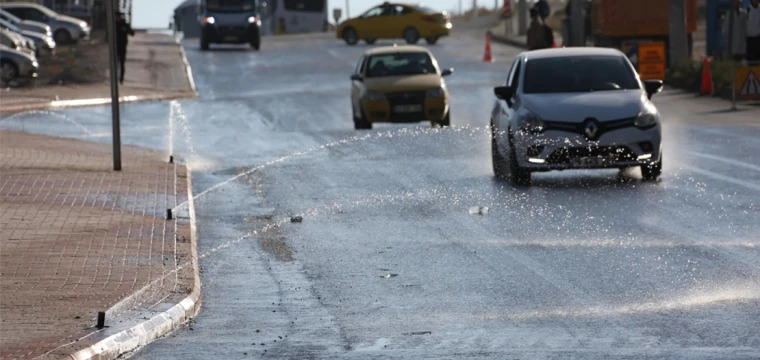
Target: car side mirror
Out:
[652,87]
[356,77]
[447,72]
[503,92]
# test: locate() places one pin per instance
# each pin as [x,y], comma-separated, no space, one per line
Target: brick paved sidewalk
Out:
[78,238]
[155,69]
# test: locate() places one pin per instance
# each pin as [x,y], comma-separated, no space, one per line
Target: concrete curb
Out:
[159,325]
[188,69]
[62,104]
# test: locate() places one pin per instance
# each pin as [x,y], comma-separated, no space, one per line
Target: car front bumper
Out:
[561,150]
[28,70]
[400,110]
[237,34]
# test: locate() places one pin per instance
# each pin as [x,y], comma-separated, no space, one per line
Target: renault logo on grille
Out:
[591,128]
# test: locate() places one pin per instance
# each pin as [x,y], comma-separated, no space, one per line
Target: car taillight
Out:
[430,19]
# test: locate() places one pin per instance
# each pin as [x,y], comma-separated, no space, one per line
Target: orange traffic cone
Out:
[487,56]
[707,82]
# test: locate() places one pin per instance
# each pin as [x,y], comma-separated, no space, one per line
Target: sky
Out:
[156,13]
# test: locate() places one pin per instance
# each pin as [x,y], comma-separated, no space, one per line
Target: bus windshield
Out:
[305,5]
[230,5]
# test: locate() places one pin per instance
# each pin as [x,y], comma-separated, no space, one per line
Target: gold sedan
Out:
[399,84]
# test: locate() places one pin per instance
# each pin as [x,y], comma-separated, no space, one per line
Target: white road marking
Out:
[725,178]
[725,160]
[336,55]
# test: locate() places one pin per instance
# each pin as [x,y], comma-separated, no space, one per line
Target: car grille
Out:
[579,128]
[406,98]
[228,30]
[563,155]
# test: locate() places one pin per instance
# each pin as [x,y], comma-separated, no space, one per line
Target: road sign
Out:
[651,60]
[748,83]
[336,14]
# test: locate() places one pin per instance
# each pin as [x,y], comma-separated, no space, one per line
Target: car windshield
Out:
[45,10]
[414,63]
[9,17]
[230,5]
[578,74]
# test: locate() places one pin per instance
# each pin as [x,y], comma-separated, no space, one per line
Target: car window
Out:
[358,69]
[511,72]
[8,16]
[374,12]
[400,10]
[18,12]
[400,64]
[8,25]
[35,15]
[579,74]
[515,83]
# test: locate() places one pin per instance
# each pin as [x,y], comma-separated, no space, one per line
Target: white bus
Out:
[293,16]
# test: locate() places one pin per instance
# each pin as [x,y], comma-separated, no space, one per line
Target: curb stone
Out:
[144,333]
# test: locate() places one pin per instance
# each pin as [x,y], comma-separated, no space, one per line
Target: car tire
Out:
[256,44]
[517,175]
[432,39]
[370,41]
[411,35]
[204,43]
[500,166]
[8,71]
[652,171]
[63,37]
[446,122]
[360,123]
[350,36]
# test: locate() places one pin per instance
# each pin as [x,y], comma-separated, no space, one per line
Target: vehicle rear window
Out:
[305,5]
[578,74]
[425,9]
[400,64]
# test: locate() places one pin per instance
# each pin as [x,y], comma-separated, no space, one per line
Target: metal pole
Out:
[460,8]
[348,16]
[731,15]
[522,17]
[679,45]
[577,36]
[116,128]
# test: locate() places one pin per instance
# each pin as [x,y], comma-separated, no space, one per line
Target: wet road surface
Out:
[388,263]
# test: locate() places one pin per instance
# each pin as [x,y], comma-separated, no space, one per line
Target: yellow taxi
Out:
[399,84]
[396,21]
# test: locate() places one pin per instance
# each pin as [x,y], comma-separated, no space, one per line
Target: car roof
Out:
[21,4]
[571,52]
[396,49]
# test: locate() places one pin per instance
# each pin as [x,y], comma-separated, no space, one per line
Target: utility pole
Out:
[522,17]
[577,36]
[460,8]
[679,45]
[116,127]
[348,16]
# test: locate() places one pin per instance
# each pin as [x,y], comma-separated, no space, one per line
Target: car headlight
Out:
[436,93]
[374,96]
[209,20]
[251,19]
[645,120]
[35,64]
[531,122]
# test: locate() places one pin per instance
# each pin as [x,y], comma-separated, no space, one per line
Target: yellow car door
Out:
[402,18]
[370,24]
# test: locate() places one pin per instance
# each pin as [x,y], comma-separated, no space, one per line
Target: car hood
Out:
[404,83]
[574,107]
[15,55]
[34,36]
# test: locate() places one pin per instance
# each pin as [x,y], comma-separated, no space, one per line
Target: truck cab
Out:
[229,22]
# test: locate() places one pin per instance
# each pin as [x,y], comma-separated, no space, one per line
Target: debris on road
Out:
[296,219]
[478,210]
[388,276]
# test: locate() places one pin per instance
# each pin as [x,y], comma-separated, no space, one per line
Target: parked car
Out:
[17,42]
[43,44]
[575,108]
[394,21]
[27,25]
[15,64]
[66,29]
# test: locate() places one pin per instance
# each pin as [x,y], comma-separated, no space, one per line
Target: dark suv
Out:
[229,22]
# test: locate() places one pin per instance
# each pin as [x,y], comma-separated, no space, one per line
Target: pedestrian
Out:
[753,32]
[543,8]
[737,33]
[537,32]
[123,30]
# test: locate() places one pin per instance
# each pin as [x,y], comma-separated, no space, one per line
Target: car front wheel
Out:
[500,169]
[652,171]
[432,39]
[360,123]
[62,37]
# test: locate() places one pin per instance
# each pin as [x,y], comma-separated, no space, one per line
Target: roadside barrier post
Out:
[116,127]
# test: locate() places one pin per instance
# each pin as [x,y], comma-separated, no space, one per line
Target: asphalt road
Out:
[388,263]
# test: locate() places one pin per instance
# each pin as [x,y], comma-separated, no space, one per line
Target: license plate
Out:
[593,161]
[230,38]
[407,108]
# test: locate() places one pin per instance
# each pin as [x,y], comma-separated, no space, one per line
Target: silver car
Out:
[17,42]
[575,108]
[43,44]
[27,25]
[15,64]
[66,29]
